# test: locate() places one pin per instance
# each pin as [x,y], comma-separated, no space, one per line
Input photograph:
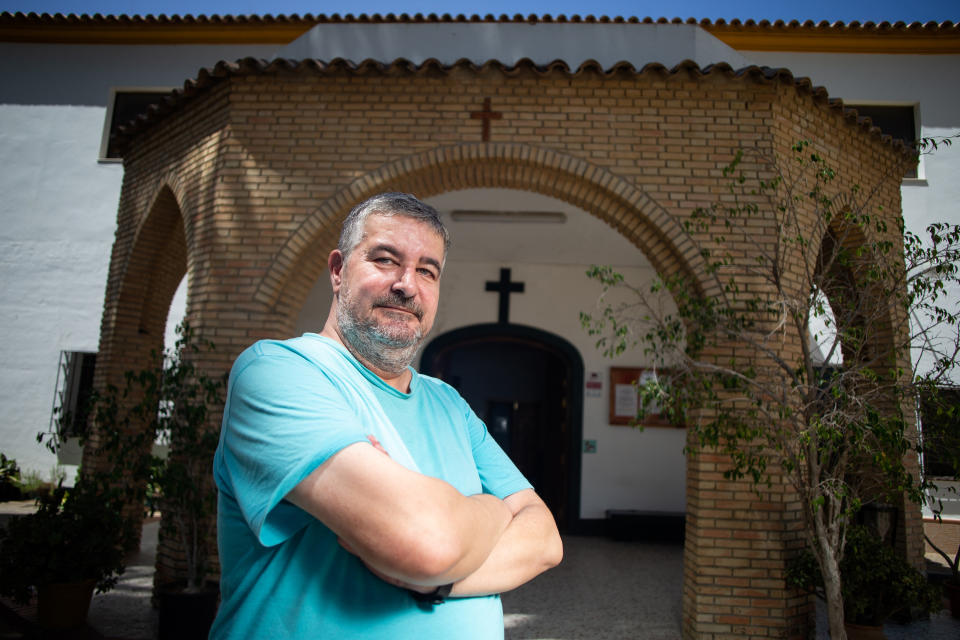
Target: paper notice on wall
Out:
[625,401]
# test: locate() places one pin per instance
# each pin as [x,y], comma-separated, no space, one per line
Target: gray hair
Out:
[389,204]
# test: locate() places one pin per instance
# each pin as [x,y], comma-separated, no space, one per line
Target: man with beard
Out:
[359,499]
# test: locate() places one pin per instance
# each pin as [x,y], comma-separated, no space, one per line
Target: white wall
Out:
[543,43]
[59,209]
[631,469]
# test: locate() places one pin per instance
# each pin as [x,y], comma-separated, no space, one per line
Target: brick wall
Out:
[945,534]
[244,185]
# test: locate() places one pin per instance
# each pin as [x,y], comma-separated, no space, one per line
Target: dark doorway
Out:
[525,384]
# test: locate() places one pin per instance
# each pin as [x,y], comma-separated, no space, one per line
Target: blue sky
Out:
[817,10]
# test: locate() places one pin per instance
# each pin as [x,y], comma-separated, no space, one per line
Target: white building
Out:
[62,76]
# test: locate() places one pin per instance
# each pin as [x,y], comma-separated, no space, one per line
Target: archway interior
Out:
[175,315]
[620,467]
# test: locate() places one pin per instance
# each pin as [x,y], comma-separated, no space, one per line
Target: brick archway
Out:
[272,157]
[617,202]
[144,276]
[857,299]
[145,280]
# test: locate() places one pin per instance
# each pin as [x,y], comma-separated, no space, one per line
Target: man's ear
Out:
[335,265]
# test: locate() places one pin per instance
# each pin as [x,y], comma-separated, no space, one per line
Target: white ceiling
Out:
[581,239]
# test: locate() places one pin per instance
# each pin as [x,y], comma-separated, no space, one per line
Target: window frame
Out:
[69,414]
[920,178]
[102,156]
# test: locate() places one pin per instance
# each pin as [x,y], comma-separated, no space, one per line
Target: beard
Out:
[387,346]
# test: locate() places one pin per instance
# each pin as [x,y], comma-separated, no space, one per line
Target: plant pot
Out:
[64,605]
[864,631]
[952,589]
[186,615]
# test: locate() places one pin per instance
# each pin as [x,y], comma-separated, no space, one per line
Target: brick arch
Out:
[847,287]
[139,301]
[614,200]
[149,261]
[882,324]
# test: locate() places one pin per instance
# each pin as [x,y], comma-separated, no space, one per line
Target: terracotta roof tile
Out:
[58,27]
[72,18]
[253,66]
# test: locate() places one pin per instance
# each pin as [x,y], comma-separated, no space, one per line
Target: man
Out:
[359,499]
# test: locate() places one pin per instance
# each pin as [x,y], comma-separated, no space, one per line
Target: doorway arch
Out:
[525,384]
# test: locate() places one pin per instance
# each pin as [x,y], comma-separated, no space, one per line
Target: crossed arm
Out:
[529,546]
[416,530]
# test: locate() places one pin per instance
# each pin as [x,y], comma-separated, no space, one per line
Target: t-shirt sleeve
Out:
[498,474]
[284,417]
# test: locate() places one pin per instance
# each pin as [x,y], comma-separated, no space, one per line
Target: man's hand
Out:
[530,545]
[417,529]
[376,444]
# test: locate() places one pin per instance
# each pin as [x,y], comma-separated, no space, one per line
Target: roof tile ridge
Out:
[251,65]
[82,19]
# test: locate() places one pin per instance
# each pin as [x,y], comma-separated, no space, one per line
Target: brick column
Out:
[737,545]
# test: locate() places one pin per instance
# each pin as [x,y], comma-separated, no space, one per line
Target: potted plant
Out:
[951,586]
[185,399]
[877,583]
[171,403]
[70,546]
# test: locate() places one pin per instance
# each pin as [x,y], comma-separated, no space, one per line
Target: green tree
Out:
[748,375]
[170,402]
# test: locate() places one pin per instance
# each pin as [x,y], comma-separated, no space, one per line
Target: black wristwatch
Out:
[437,596]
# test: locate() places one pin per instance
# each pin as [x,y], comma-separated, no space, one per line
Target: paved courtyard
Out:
[604,589]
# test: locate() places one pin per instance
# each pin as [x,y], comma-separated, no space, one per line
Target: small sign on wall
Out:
[594,385]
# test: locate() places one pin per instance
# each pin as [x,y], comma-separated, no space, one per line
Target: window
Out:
[940,426]
[124,106]
[74,385]
[897,121]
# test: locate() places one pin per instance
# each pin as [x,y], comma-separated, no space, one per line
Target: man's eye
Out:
[429,273]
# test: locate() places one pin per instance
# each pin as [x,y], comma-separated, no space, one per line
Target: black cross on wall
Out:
[504,287]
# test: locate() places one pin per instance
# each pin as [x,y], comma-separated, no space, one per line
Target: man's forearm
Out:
[529,546]
[403,524]
[472,526]
[481,521]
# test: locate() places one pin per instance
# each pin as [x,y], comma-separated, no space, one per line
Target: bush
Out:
[75,535]
[9,479]
[877,583]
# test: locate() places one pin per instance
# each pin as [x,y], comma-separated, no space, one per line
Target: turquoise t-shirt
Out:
[290,406]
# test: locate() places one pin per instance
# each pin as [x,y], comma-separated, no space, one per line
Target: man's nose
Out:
[406,282]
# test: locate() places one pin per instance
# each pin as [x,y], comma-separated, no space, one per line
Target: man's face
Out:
[388,291]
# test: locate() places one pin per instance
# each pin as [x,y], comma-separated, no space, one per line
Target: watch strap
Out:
[437,596]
